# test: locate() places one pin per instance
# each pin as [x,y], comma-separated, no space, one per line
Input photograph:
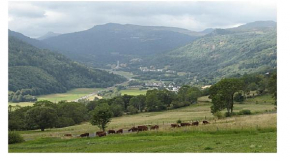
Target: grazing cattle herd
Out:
[138,129]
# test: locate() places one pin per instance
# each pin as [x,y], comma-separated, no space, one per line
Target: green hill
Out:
[224,52]
[34,71]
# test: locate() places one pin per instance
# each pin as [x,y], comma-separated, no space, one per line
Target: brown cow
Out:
[174,125]
[205,122]
[85,135]
[154,127]
[185,124]
[142,128]
[120,131]
[111,132]
[68,135]
[195,123]
[133,129]
[101,133]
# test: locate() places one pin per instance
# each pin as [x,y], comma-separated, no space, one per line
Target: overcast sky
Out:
[34,19]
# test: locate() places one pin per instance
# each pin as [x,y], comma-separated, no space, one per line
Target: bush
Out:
[227,114]
[179,121]
[239,97]
[14,137]
[132,110]
[219,115]
[244,112]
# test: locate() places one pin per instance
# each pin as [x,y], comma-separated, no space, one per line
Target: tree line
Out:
[45,114]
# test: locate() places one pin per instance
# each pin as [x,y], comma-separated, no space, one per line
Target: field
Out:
[252,133]
[22,104]
[133,92]
[69,95]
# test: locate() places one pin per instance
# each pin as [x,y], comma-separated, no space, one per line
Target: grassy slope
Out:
[254,133]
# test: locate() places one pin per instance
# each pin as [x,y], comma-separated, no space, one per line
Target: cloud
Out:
[36,18]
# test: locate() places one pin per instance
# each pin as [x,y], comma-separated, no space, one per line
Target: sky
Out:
[35,19]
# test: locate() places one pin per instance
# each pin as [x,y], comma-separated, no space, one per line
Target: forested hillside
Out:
[105,44]
[34,71]
[225,52]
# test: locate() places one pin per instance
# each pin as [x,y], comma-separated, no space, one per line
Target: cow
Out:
[111,132]
[119,131]
[174,125]
[195,123]
[68,135]
[85,135]
[133,129]
[101,133]
[185,124]
[154,127]
[142,128]
[205,122]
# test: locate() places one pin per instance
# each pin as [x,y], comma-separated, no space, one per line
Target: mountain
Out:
[207,31]
[258,25]
[48,35]
[37,71]
[225,52]
[28,40]
[105,44]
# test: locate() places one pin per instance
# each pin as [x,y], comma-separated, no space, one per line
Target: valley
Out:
[63,88]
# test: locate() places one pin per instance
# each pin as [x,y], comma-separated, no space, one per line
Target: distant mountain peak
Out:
[48,35]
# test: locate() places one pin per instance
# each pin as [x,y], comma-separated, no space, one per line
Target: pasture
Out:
[233,135]
[69,95]
[252,133]
[22,104]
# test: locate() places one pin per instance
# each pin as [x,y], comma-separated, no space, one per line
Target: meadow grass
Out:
[246,133]
[163,119]
[264,99]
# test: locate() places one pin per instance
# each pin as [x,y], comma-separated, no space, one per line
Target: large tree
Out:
[222,94]
[101,116]
[41,118]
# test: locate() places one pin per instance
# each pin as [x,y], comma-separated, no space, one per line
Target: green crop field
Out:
[133,92]
[251,133]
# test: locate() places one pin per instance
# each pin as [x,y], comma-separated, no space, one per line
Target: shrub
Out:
[239,97]
[227,114]
[244,112]
[132,110]
[179,121]
[14,137]
[218,114]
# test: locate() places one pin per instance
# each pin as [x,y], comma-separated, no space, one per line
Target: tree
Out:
[273,86]
[152,101]
[101,116]
[138,102]
[222,94]
[41,118]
